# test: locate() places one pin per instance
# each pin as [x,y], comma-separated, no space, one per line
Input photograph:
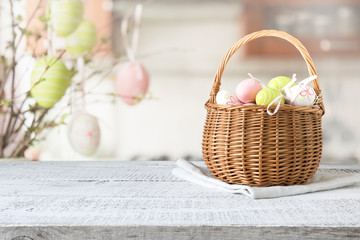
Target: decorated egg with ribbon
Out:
[279,83]
[246,90]
[67,16]
[84,134]
[267,95]
[300,95]
[225,97]
[49,80]
[132,82]
[82,40]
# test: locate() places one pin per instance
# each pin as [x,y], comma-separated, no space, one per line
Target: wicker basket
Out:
[245,145]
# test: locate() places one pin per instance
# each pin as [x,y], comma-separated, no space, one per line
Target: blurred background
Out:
[181,45]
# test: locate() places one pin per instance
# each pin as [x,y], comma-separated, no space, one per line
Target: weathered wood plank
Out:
[142,200]
[174,233]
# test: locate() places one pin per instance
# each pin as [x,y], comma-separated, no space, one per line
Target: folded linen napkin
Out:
[319,182]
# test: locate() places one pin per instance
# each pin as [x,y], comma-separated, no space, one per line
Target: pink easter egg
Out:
[32,154]
[246,90]
[132,82]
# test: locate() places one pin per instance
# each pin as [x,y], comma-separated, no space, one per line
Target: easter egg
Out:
[32,154]
[132,82]
[267,95]
[300,95]
[68,15]
[279,83]
[84,134]
[82,40]
[49,80]
[246,90]
[227,98]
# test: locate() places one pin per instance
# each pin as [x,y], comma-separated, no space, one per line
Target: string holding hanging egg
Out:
[132,80]
[84,131]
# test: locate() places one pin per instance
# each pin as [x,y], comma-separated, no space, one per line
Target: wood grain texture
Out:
[142,200]
[173,232]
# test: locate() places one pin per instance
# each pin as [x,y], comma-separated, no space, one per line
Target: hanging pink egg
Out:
[132,82]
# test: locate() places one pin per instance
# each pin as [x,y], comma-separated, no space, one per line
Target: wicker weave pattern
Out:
[244,145]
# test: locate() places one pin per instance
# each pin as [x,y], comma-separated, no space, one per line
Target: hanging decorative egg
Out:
[49,80]
[132,82]
[68,15]
[82,40]
[84,134]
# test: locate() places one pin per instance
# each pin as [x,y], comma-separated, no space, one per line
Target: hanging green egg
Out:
[68,16]
[83,40]
[49,80]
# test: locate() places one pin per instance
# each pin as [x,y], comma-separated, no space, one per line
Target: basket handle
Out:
[266,33]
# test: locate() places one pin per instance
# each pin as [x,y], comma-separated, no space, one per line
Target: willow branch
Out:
[29,21]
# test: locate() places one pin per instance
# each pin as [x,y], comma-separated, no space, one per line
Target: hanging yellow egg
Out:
[82,40]
[49,80]
[67,16]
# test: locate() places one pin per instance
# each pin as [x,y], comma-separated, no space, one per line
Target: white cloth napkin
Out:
[319,182]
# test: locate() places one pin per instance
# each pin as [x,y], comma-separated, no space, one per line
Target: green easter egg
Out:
[267,95]
[279,82]
[68,16]
[46,97]
[49,80]
[82,40]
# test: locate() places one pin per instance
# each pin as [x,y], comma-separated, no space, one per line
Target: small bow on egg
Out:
[290,96]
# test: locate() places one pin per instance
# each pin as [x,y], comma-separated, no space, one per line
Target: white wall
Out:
[187,42]
[191,39]
[181,45]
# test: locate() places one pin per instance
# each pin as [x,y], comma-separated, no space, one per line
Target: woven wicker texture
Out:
[245,145]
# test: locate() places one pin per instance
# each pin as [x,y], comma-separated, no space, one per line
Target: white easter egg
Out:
[225,97]
[84,134]
[300,95]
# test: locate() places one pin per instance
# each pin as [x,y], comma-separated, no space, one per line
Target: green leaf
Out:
[19,18]
[27,32]
[73,72]
[43,18]
[4,61]
[87,60]
[5,102]
[104,40]
[63,117]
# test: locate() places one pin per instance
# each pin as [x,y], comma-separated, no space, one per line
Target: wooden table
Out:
[142,200]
